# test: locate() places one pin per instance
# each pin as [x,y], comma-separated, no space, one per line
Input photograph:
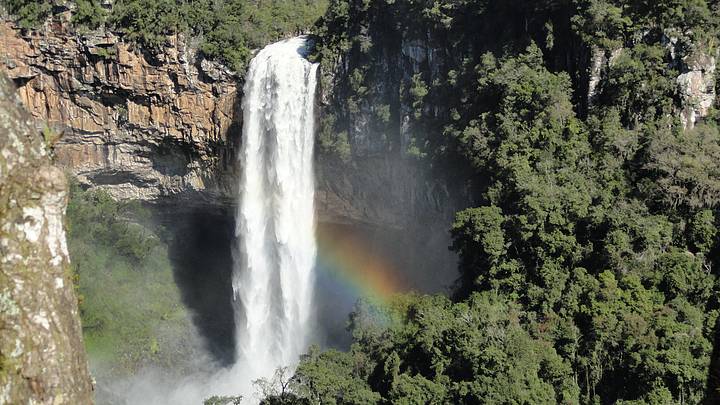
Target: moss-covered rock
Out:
[42,359]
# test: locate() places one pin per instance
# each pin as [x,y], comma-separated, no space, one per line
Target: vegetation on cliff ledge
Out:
[228,30]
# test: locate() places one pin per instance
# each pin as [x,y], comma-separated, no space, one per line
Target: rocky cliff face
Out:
[696,82]
[42,358]
[382,181]
[142,126]
[380,128]
[164,128]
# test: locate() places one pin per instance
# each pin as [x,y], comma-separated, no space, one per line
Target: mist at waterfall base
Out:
[286,291]
[275,222]
[345,252]
[274,251]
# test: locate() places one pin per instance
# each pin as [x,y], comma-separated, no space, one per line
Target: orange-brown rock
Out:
[140,125]
[156,125]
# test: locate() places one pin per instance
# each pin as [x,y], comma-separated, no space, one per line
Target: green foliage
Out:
[222,38]
[97,216]
[640,85]
[383,112]
[332,143]
[683,168]
[479,238]
[335,377]
[279,390]
[591,248]
[28,13]
[609,23]
[50,136]
[438,353]
[147,22]
[703,231]
[229,29]
[223,400]
[595,221]
[418,91]
[89,14]
[106,53]
[129,304]
[268,20]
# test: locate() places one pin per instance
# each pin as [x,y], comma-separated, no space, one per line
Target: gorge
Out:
[165,130]
[566,152]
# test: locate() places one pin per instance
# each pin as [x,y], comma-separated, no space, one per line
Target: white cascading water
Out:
[275,221]
[275,227]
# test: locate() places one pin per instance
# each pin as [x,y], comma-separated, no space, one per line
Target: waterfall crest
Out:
[275,219]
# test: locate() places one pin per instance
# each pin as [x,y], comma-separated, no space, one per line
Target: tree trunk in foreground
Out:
[42,358]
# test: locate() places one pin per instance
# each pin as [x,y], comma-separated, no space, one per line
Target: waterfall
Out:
[275,219]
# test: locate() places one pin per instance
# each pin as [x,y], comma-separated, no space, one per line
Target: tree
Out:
[438,352]
[598,223]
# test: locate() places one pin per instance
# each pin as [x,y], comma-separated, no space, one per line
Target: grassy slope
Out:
[130,305]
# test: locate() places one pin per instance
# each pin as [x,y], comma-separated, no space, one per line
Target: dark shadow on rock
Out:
[201,237]
[200,243]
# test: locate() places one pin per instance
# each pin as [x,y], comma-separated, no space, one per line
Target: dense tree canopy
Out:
[431,351]
[593,240]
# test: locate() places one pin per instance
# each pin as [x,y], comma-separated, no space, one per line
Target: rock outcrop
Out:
[696,82]
[697,87]
[42,357]
[140,125]
[600,61]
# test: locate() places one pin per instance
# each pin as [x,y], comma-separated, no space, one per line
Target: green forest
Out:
[589,254]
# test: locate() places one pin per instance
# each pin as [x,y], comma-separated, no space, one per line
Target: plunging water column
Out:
[273,275]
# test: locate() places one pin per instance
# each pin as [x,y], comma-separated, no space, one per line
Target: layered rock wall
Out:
[163,127]
[143,126]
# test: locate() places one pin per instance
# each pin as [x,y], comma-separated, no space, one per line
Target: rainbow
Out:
[354,269]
